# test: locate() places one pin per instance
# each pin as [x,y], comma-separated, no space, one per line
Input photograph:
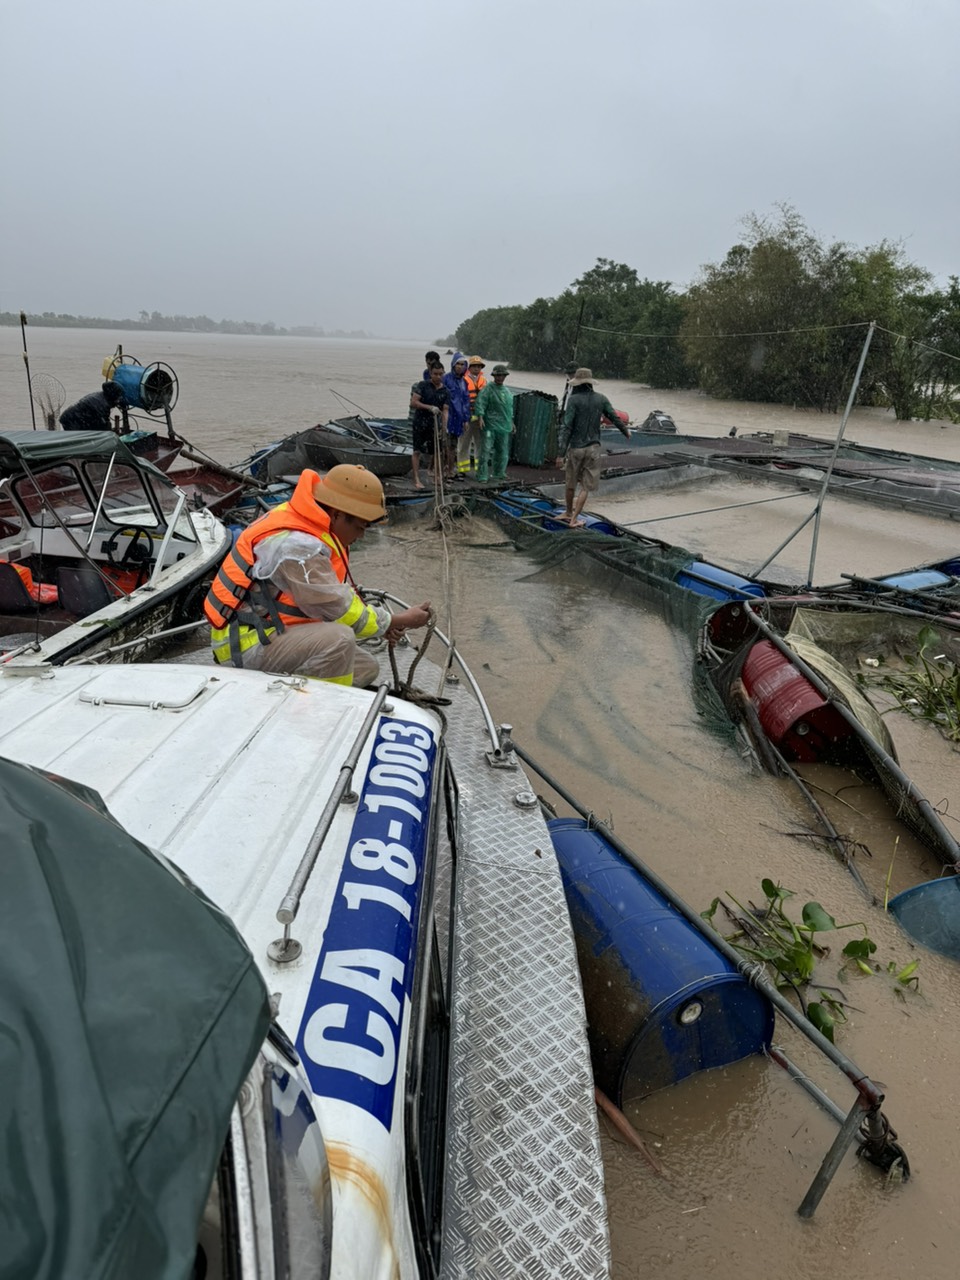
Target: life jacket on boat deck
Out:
[40,592]
[244,611]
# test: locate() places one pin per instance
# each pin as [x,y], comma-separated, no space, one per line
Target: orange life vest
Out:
[41,592]
[474,386]
[244,611]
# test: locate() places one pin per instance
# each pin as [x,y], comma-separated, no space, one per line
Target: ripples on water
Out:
[598,688]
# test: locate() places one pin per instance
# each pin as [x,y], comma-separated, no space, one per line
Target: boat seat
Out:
[82,591]
[14,596]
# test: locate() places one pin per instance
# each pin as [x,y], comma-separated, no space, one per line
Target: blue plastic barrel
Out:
[917,580]
[710,580]
[662,1002]
[143,388]
[930,913]
[528,506]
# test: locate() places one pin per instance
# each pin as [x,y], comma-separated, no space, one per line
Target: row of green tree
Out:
[154,321]
[782,318]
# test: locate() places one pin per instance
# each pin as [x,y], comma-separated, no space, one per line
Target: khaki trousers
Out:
[325,650]
[472,438]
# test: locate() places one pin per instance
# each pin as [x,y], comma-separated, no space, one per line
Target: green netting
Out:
[535,437]
[648,570]
[853,635]
[645,570]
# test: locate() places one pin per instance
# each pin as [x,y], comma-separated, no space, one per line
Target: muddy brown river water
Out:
[598,688]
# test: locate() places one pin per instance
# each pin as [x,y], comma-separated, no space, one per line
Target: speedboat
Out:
[397,1085]
[99,549]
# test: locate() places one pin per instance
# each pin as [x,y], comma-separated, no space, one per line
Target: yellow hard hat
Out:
[352,489]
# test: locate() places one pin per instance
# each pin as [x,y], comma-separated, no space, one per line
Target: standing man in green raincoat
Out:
[494,412]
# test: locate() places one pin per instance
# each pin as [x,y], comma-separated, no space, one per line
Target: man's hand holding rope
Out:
[409,619]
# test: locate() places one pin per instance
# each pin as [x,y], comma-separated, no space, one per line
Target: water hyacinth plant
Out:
[792,950]
[929,687]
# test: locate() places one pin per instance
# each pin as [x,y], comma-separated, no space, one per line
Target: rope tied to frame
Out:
[406,688]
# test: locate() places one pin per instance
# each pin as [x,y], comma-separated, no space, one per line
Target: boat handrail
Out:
[145,638]
[168,534]
[82,552]
[492,731]
[100,501]
[286,948]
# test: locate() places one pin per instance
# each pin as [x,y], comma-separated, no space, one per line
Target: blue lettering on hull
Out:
[349,1038]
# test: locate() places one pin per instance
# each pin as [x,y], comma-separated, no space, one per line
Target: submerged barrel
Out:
[662,1002]
[710,580]
[930,913]
[798,719]
[918,580]
[149,389]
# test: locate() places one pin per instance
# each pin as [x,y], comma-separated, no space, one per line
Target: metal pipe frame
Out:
[909,786]
[869,1091]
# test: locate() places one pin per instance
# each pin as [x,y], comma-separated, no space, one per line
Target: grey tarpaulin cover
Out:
[130,1013]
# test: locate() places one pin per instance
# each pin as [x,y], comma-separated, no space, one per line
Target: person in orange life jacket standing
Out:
[471,442]
[283,599]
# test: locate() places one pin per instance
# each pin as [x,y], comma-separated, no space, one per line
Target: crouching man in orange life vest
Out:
[283,599]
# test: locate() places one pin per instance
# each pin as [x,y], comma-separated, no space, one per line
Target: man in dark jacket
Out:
[431,405]
[579,442]
[92,413]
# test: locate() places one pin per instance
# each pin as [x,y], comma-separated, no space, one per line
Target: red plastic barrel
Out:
[794,716]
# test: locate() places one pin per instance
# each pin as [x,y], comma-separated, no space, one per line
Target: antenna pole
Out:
[26,363]
[836,449]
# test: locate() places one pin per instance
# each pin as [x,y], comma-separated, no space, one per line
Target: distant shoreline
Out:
[185,324]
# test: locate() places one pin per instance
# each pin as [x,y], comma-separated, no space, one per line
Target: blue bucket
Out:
[662,1002]
[147,389]
[930,913]
[710,580]
[917,580]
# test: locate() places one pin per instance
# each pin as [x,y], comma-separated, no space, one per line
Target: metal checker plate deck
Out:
[524,1190]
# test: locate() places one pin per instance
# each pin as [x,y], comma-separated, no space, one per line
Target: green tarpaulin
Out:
[130,1013]
[30,450]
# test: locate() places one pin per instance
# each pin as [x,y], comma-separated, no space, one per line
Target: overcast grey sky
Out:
[396,167]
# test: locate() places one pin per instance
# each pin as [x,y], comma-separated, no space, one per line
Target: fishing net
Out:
[49,394]
[858,637]
[644,569]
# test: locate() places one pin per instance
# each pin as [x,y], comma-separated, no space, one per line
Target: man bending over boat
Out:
[94,412]
[579,442]
[283,599]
